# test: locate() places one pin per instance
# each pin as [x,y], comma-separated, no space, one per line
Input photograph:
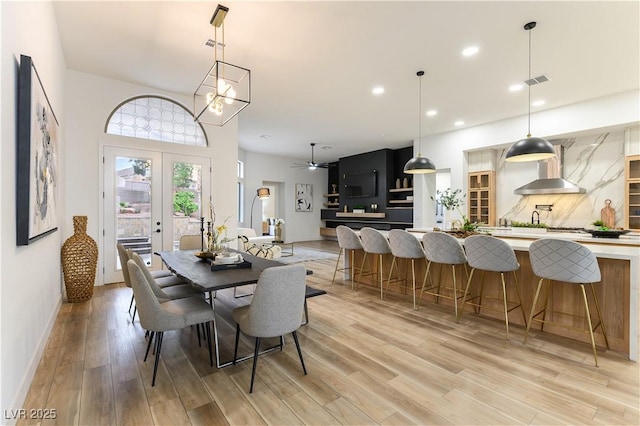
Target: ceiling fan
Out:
[312,165]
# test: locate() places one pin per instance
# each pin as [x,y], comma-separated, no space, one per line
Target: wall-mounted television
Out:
[360,184]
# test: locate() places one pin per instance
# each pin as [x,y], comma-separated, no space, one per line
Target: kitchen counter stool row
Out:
[553,261]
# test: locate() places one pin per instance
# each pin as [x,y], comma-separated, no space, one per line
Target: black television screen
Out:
[360,184]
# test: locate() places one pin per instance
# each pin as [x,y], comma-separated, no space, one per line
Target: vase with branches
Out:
[454,199]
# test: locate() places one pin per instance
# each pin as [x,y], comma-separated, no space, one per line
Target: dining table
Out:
[198,273]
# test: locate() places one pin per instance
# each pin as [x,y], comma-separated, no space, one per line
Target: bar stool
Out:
[487,253]
[347,240]
[374,242]
[568,262]
[405,246]
[444,249]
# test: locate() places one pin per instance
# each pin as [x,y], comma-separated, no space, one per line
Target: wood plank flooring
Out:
[370,361]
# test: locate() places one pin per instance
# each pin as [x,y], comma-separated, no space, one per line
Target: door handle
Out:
[158,231]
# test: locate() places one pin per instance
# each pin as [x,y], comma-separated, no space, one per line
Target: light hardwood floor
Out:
[370,361]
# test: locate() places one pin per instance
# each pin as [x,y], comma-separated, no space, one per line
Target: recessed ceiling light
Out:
[470,51]
[515,87]
[265,137]
[378,90]
[432,112]
[458,123]
[538,103]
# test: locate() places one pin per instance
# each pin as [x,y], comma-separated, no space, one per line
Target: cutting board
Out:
[608,215]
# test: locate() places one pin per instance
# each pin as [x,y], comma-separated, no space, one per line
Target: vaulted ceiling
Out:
[314,64]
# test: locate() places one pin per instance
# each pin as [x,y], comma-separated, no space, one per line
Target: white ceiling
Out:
[314,64]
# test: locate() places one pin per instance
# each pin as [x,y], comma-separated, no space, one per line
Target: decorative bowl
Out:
[610,233]
[204,254]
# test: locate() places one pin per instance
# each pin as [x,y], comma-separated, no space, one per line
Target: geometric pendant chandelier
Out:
[226,89]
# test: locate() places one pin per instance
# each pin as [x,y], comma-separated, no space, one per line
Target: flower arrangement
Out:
[450,200]
[217,235]
[279,221]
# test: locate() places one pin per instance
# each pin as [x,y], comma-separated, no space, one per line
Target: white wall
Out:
[86,138]
[447,150]
[259,168]
[30,276]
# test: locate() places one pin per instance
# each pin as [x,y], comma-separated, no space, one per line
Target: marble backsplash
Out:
[594,162]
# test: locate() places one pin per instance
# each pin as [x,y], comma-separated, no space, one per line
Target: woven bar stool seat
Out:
[560,261]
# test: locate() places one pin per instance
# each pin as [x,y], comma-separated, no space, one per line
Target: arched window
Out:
[156,118]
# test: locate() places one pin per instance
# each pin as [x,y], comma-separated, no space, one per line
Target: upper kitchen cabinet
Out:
[481,187]
[632,192]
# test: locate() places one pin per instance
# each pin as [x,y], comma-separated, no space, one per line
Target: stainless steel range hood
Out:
[550,178]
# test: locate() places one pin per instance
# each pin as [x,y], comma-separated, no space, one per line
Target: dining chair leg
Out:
[130,303]
[135,309]
[235,349]
[151,335]
[255,362]
[295,338]
[198,330]
[155,365]
[207,326]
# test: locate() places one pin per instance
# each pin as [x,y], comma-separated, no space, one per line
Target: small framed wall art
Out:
[36,158]
[304,197]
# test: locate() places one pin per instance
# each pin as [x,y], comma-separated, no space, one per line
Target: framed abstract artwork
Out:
[36,158]
[304,197]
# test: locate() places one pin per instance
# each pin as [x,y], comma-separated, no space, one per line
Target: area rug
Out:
[301,254]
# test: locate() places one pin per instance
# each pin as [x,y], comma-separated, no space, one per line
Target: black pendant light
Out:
[530,148]
[419,164]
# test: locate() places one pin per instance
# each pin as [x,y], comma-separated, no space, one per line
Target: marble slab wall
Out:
[594,162]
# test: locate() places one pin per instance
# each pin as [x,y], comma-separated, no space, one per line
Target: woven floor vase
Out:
[79,261]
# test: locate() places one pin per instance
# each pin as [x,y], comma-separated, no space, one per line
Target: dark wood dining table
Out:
[197,273]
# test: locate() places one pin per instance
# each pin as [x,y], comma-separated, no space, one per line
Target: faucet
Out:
[535,212]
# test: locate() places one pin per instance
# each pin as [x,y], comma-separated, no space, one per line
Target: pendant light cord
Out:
[420,74]
[529,84]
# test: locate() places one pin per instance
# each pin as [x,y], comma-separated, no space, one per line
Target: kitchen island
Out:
[618,293]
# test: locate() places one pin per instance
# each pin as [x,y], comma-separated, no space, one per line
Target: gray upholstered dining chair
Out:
[191,242]
[347,240]
[167,293]
[486,253]
[275,310]
[166,278]
[405,246]
[442,248]
[158,317]
[374,242]
[561,261]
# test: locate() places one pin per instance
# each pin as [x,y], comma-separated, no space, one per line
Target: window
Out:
[156,118]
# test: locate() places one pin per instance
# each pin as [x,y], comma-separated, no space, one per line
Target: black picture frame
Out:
[36,158]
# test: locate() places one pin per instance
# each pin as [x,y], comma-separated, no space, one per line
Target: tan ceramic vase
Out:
[79,261]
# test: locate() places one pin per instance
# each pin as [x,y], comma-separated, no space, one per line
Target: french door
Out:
[151,199]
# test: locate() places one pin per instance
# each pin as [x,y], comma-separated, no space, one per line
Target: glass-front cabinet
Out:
[632,192]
